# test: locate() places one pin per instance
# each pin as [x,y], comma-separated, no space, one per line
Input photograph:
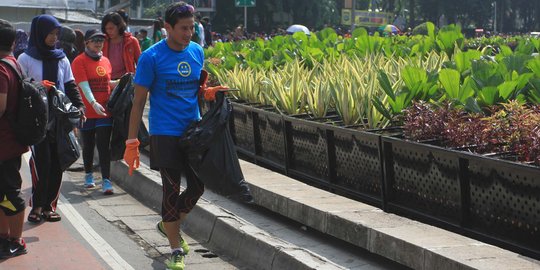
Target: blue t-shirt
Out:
[172,78]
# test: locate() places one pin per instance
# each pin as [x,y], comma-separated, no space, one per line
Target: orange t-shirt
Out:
[98,75]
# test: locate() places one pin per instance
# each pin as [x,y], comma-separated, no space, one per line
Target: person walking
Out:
[170,71]
[21,42]
[66,42]
[92,73]
[144,41]
[12,204]
[120,47]
[159,31]
[42,61]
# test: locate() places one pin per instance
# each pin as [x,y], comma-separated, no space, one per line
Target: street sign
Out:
[244,3]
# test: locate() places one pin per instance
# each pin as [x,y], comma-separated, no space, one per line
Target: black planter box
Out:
[423,179]
[357,166]
[307,149]
[270,139]
[505,200]
[242,128]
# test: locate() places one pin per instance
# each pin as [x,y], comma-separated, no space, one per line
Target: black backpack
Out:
[30,121]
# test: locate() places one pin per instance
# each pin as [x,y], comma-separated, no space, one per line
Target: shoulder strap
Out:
[13,67]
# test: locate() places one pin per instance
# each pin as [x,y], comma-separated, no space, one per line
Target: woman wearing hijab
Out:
[92,73]
[42,61]
[121,48]
[21,42]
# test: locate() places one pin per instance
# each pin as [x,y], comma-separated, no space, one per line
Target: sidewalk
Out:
[407,242]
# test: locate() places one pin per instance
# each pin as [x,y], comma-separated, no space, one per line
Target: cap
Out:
[93,33]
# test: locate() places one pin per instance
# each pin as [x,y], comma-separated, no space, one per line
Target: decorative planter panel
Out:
[423,178]
[242,128]
[505,200]
[271,138]
[358,165]
[308,149]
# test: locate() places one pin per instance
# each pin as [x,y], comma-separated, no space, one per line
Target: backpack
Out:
[30,121]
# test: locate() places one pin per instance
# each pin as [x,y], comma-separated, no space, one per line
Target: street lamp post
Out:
[495,17]
[353,22]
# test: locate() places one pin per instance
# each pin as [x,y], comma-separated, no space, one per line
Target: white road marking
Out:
[107,253]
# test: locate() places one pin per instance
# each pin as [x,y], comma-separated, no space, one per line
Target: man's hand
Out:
[210,92]
[131,155]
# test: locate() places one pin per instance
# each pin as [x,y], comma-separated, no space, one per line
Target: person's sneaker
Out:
[89,180]
[183,244]
[107,187]
[14,248]
[176,262]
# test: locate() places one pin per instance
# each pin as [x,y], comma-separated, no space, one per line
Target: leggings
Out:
[100,136]
[175,203]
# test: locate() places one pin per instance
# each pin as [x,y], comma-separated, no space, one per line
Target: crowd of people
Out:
[167,67]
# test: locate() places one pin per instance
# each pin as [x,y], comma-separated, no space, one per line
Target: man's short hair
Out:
[7,36]
[178,10]
[143,31]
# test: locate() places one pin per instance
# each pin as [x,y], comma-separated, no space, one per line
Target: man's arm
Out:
[3,103]
[139,101]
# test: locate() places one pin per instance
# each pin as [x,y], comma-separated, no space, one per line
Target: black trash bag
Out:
[212,154]
[63,118]
[119,105]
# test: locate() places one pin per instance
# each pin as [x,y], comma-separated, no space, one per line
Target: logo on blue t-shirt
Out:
[184,69]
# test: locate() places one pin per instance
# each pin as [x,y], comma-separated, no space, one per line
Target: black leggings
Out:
[46,175]
[100,136]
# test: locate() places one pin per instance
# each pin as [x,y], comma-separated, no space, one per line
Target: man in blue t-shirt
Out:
[170,71]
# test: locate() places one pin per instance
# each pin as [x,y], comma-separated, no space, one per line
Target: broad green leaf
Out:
[506,89]
[449,79]
[488,95]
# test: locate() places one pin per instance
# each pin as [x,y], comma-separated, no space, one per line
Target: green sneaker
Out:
[176,262]
[183,244]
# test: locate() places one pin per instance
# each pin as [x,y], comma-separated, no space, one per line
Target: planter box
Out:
[307,149]
[358,166]
[423,179]
[242,128]
[270,138]
[505,200]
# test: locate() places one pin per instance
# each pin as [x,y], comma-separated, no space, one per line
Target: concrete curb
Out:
[405,241]
[402,240]
[221,230]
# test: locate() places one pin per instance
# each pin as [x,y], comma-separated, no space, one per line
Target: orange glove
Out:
[210,92]
[131,155]
[48,84]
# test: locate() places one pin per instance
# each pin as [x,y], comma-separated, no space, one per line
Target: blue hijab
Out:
[41,26]
[21,42]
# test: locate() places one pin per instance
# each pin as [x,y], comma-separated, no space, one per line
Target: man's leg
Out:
[13,206]
[171,219]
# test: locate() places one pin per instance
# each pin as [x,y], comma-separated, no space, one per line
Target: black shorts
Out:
[11,200]
[165,152]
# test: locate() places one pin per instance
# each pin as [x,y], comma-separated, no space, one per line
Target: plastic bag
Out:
[212,154]
[119,104]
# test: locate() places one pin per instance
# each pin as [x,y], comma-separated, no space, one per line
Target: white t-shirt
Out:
[33,68]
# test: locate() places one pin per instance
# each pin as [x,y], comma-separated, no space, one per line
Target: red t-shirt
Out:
[9,84]
[98,75]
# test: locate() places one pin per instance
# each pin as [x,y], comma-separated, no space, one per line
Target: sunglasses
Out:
[184,9]
[97,40]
